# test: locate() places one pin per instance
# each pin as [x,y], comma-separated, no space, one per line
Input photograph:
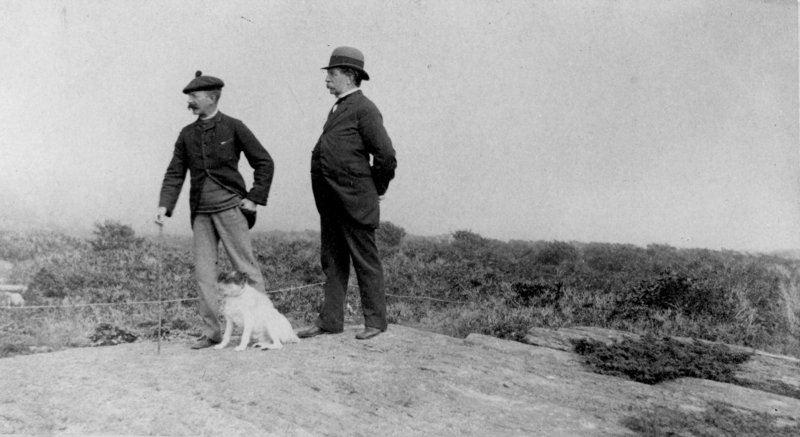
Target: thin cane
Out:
[158,280]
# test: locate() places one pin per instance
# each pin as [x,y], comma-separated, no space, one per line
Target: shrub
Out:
[18,246]
[614,257]
[557,252]
[510,287]
[676,291]
[107,334]
[389,237]
[285,260]
[467,240]
[536,293]
[111,235]
[717,419]
[11,349]
[651,360]
[47,284]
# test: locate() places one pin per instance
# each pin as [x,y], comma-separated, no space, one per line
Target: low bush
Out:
[114,235]
[652,360]
[455,284]
[717,419]
[389,237]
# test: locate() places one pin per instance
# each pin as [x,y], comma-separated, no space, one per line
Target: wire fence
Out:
[188,299]
[160,302]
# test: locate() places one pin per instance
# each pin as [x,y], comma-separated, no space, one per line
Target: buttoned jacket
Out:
[353,136]
[213,152]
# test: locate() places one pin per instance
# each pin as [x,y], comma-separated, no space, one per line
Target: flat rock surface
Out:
[405,382]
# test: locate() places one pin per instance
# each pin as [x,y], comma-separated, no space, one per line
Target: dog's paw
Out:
[240,348]
[219,346]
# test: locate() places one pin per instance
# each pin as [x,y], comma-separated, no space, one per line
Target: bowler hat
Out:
[201,83]
[348,57]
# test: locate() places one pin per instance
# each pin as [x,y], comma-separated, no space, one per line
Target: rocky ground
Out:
[405,382]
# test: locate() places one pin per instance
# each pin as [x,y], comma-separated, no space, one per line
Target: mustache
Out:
[192,106]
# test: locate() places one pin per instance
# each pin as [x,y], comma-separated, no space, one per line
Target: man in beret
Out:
[221,207]
[346,191]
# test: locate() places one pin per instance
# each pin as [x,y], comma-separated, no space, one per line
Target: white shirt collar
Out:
[341,96]
[212,115]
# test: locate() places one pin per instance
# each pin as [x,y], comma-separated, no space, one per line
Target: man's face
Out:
[336,82]
[201,102]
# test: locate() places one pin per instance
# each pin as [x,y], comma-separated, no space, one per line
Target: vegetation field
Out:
[455,284]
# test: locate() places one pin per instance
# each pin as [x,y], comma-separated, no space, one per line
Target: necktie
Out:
[336,105]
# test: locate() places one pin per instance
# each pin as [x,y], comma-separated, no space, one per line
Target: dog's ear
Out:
[241,278]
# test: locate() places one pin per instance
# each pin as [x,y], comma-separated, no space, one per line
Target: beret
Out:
[200,83]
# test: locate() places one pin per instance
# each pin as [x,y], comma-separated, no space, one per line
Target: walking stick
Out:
[159,281]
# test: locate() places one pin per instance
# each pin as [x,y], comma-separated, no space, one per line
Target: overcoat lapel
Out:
[344,106]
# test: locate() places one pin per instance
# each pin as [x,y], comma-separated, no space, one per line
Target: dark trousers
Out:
[342,241]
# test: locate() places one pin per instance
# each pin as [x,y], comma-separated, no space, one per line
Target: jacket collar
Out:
[209,121]
[344,106]
[348,94]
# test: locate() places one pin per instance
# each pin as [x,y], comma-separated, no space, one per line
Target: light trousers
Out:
[230,228]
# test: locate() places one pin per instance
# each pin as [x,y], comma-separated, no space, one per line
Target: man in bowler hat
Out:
[346,191]
[221,207]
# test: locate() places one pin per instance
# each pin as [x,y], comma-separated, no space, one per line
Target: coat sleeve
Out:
[261,162]
[174,177]
[379,145]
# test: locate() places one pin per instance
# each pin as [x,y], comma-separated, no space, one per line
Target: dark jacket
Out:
[341,159]
[217,158]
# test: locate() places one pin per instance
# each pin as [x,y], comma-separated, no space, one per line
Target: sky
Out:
[618,121]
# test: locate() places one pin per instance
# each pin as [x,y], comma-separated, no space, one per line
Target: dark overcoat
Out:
[354,157]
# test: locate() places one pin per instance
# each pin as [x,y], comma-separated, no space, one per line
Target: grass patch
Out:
[651,360]
[777,387]
[60,328]
[718,419]
[11,349]
[503,288]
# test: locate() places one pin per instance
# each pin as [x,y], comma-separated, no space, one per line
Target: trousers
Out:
[341,242]
[230,228]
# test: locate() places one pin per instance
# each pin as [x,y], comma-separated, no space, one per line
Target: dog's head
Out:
[232,283]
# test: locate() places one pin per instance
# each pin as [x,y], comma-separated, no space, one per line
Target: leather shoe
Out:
[311,332]
[204,342]
[368,333]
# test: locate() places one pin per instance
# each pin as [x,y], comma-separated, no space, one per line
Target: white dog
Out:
[245,306]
